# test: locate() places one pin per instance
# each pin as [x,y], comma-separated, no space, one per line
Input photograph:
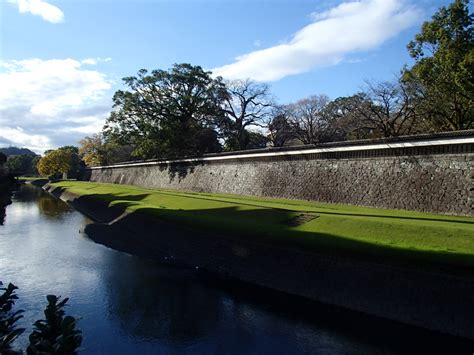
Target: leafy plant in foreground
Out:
[8,330]
[56,334]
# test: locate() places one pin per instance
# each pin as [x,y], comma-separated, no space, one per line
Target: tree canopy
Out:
[168,113]
[55,162]
[95,150]
[444,68]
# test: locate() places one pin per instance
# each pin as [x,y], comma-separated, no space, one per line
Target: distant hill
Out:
[16,151]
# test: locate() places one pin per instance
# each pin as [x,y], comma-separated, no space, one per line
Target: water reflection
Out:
[47,205]
[155,303]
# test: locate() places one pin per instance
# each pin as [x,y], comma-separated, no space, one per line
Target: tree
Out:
[168,113]
[55,162]
[96,150]
[93,151]
[444,67]
[345,120]
[307,117]
[387,108]
[20,164]
[33,165]
[3,158]
[280,129]
[248,104]
[75,159]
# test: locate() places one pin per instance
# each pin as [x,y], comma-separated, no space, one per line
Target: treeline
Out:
[185,111]
[18,161]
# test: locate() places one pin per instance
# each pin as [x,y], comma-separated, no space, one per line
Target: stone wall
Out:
[434,177]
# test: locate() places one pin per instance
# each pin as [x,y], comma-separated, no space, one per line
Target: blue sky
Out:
[61,61]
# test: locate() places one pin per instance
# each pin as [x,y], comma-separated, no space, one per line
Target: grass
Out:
[403,237]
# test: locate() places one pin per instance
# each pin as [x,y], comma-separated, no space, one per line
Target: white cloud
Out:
[350,27]
[41,8]
[18,137]
[50,101]
[90,61]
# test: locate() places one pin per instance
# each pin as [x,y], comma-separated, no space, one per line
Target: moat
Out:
[132,305]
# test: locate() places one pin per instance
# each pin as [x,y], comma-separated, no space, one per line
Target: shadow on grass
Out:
[262,225]
[316,209]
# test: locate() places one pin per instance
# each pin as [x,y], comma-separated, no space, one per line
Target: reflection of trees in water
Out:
[52,207]
[152,302]
[4,201]
[28,193]
[2,214]
[48,205]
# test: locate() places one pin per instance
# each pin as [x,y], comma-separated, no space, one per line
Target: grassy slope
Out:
[374,234]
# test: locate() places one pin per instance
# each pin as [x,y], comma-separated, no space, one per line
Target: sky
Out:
[62,60]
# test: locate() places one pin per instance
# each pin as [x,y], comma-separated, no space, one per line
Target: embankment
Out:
[422,173]
[432,300]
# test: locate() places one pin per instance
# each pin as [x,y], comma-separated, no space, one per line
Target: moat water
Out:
[129,305]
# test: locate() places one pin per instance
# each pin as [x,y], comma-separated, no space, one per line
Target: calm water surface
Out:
[129,305]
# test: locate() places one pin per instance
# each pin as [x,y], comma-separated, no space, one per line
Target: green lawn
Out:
[403,237]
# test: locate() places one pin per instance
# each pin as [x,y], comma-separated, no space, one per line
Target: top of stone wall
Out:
[422,144]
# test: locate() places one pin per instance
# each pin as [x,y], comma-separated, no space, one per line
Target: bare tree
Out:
[388,108]
[307,117]
[247,105]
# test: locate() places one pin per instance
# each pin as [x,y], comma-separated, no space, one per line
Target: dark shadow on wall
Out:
[180,171]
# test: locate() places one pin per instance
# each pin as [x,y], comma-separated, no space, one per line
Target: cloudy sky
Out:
[62,60]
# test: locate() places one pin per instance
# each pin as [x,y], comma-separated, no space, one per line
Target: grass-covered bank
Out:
[404,237]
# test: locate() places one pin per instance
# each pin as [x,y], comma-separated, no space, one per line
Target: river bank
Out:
[432,300]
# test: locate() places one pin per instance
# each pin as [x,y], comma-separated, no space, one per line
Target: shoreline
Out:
[430,300]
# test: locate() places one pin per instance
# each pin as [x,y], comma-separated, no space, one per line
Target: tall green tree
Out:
[444,67]
[168,113]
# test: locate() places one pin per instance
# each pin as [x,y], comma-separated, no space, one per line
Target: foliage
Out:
[248,104]
[444,68]
[3,158]
[8,318]
[345,120]
[168,113]
[56,334]
[21,164]
[55,162]
[280,129]
[92,150]
[96,150]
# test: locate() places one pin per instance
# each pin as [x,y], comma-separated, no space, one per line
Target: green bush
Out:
[56,334]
